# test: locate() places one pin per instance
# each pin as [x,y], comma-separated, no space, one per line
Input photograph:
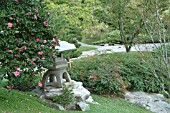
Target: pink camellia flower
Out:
[8,87]
[40,84]
[45,41]
[25,47]
[55,44]
[16,73]
[48,13]
[35,17]
[9,51]
[53,54]
[28,14]
[43,58]
[40,53]
[20,49]
[10,25]
[10,18]
[36,10]
[16,0]
[16,56]
[42,45]
[18,69]
[16,20]
[37,39]
[46,23]
[31,61]
[54,40]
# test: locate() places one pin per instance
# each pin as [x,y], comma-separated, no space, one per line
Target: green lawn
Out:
[20,102]
[86,48]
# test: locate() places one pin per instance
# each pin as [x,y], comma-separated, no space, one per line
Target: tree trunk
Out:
[128,48]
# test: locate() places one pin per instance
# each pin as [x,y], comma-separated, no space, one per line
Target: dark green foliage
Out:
[66,98]
[115,72]
[72,54]
[145,39]
[99,75]
[108,40]
[60,1]
[64,29]
[138,75]
[78,52]
[156,52]
[73,34]
[26,82]
[25,41]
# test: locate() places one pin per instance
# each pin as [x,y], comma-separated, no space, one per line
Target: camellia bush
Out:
[27,42]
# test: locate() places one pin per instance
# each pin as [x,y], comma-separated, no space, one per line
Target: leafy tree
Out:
[153,17]
[128,19]
[63,26]
[61,23]
[26,41]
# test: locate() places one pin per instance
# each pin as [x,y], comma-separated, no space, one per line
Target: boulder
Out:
[151,101]
[81,94]
[83,106]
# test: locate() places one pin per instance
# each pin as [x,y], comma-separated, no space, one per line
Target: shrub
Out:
[66,98]
[143,38]
[138,74]
[99,75]
[72,54]
[107,40]
[27,41]
[157,51]
[113,73]
[78,52]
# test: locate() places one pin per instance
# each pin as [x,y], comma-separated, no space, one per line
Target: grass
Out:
[86,48]
[27,102]
[78,52]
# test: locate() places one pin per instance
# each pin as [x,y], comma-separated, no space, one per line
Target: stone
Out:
[90,100]
[37,91]
[54,75]
[106,44]
[76,84]
[52,89]
[68,84]
[151,101]
[83,106]
[55,105]
[81,93]
[71,106]
[65,46]
[159,107]
[61,107]
[50,95]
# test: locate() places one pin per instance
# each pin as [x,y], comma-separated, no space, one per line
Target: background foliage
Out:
[115,73]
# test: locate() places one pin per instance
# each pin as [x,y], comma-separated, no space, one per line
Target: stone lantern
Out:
[55,75]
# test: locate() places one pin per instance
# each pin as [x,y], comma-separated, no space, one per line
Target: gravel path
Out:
[117,48]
